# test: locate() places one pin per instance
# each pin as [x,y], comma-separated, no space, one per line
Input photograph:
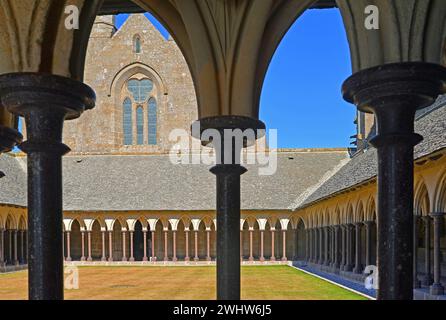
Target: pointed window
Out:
[152,121]
[127,121]
[140,89]
[137,44]
[140,125]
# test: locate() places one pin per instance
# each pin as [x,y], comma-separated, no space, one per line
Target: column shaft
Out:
[68,246]
[427,280]
[144,258]
[110,245]
[284,257]
[437,288]
[103,258]
[132,257]
[174,234]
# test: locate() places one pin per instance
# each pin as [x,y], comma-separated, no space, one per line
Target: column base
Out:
[436,289]
[68,259]
[124,259]
[208,259]
[348,268]
[262,259]
[272,259]
[175,259]
[251,259]
[83,259]
[104,259]
[196,259]
[131,259]
[89,259]
[145,259]
[110,259]
[284,259]
[166,259]
[187,259]
[153,259]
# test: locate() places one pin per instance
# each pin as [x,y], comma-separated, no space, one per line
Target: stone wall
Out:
[111,61]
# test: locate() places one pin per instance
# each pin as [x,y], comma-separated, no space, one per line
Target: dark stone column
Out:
[307,250]
[349,245]
[336,247]
[427,279]
[416,282]
[343,247]
[358,266]
[394,92]
[228,171]
[437,288]
[326,246]
[332,246]
[368,242]
[321,246]
[45,101]
[315,245]
[2,247]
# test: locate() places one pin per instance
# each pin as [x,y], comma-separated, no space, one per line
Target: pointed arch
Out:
[421,201]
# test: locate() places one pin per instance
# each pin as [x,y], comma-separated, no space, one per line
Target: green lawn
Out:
[178,283]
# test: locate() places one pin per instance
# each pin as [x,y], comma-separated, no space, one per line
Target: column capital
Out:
[426,218]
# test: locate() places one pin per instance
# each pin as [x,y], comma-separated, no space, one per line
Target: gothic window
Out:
[140,89]
[152,121]
[137,44]
[127,121]
[140,125]
[140,111]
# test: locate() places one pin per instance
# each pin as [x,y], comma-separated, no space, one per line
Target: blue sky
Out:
[301,97]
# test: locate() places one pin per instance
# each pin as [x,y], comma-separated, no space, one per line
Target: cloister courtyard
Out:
[183,283]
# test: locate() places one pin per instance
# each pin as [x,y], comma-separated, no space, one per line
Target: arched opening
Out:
[75,241]
[138,242]
[117,241]
[96,241]
[9,241]
[300,241]
[305,56]
[267,241]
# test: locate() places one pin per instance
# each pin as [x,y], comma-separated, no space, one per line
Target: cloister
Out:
[398,69]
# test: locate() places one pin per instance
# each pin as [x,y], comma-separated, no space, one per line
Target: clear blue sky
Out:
[301,97]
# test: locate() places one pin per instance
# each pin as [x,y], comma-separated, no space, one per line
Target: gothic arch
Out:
[359,211]
[440,194]
[135,68]
[421,202]
[371,209]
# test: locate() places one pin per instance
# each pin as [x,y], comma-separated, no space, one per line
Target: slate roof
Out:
[152,182]
[430,123]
